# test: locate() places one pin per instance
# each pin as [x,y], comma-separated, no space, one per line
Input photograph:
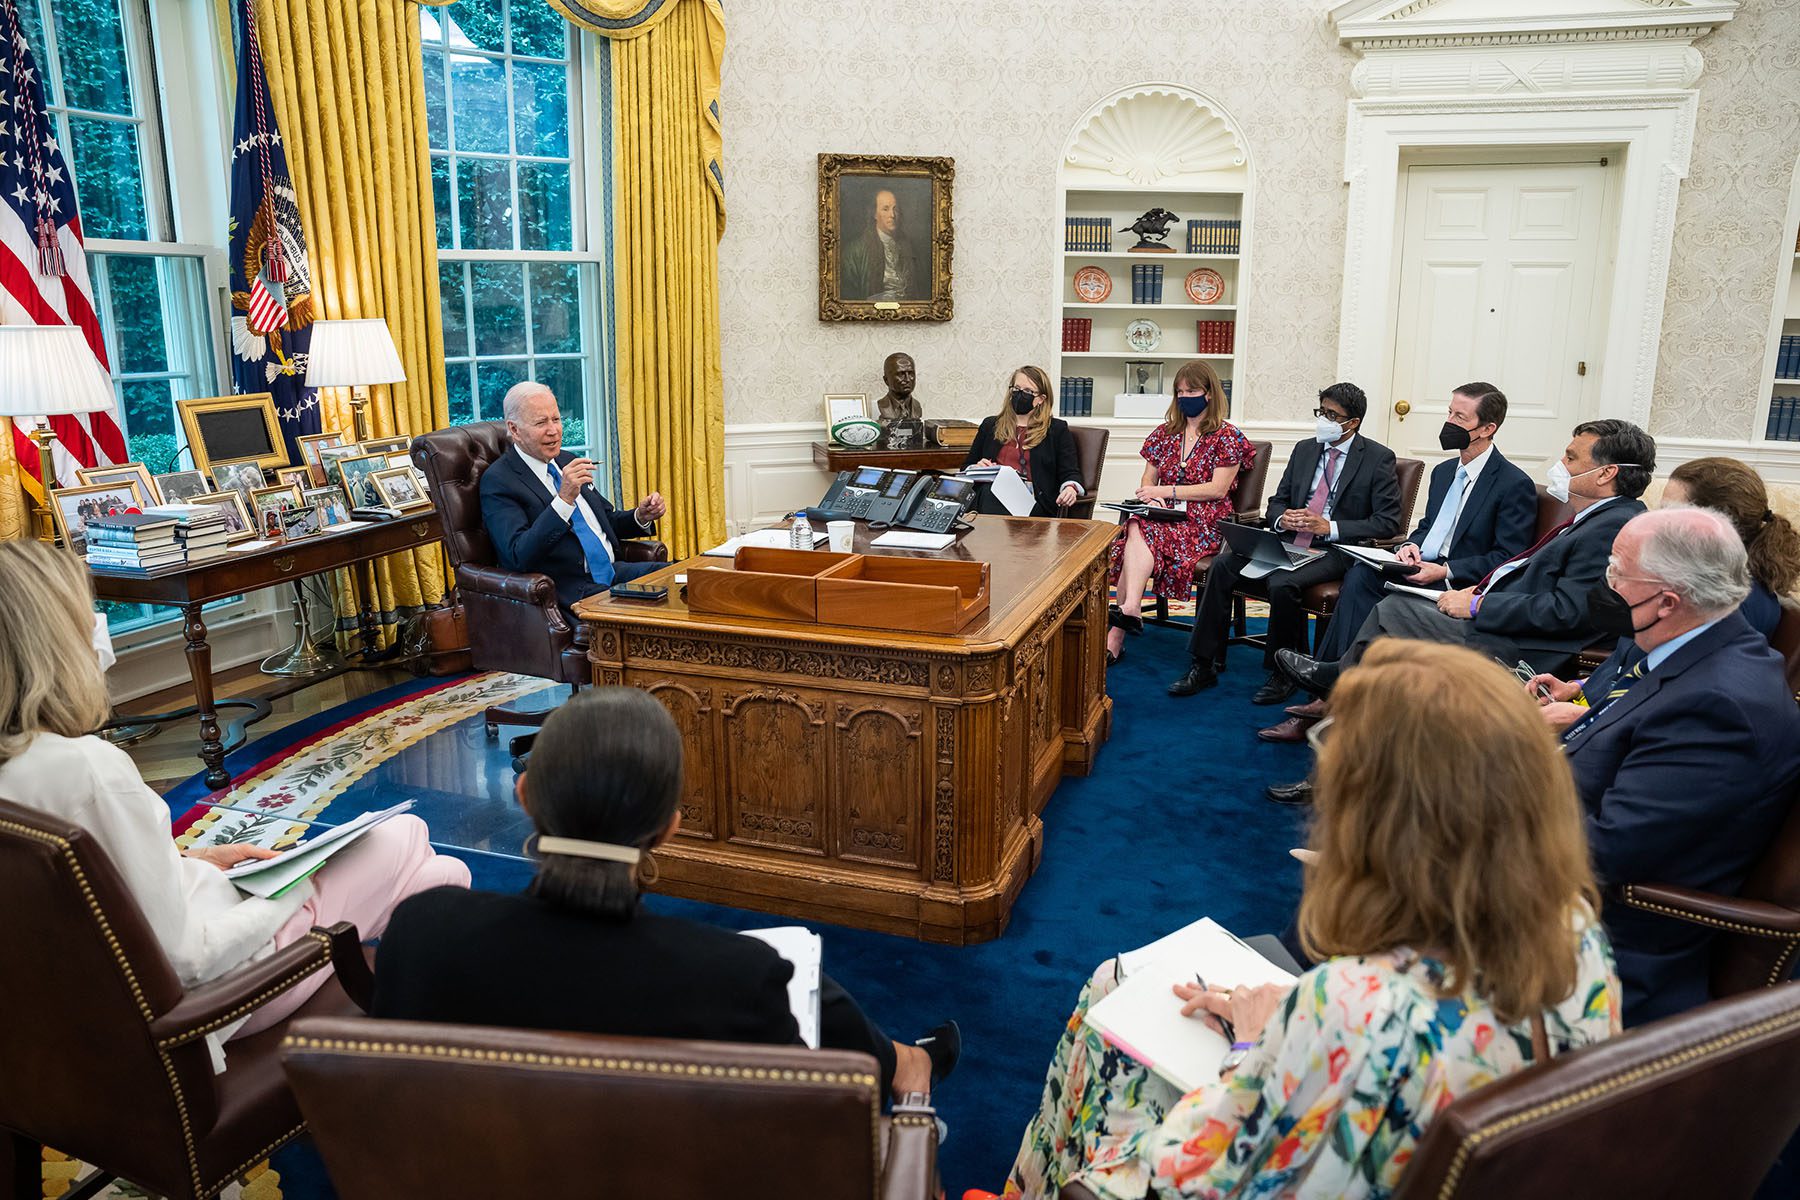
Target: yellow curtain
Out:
[348,87]
[13,523]
[663,62]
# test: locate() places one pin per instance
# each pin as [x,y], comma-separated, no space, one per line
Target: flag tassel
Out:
[50,255]
[275,259]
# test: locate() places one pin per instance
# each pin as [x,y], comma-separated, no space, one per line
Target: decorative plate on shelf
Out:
[1092,284]
[1143,335]
[1205,286]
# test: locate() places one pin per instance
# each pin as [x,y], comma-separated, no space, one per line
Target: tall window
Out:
[518,277]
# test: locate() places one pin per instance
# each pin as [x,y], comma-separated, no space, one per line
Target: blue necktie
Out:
[1438,536]
[600,563]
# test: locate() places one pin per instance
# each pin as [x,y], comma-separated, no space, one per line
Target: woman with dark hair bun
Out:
[603,791]
[1728,486]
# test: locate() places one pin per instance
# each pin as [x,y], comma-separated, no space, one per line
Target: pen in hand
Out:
[1230,1033]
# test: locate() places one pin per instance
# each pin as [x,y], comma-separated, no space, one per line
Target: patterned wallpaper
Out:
[1731,255]
[998,85]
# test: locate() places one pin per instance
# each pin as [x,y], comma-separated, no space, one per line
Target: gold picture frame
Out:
[132,472]
[65,509]
[853,215]
[300,476]
[310,444]
[274,499]
[389,445]
[353,474]
[238,525]
[400,489]
[209,421]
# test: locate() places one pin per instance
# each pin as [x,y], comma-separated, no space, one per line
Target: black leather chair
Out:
[514,621]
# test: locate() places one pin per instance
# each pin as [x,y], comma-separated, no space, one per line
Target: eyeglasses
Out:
[1339,417]
[1315,737]
[1613,577]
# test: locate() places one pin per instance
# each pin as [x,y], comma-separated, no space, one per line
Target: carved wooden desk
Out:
[886,780]
[191,588]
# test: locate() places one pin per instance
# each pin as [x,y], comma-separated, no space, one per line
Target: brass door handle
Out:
[1401,408]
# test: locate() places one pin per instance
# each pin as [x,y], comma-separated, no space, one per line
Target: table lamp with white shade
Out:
[353,354]
[49,370]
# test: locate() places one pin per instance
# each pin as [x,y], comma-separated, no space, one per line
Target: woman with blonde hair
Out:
[1026,436]
[1192,458]
[1453,909]
[1727,486]
[52,693]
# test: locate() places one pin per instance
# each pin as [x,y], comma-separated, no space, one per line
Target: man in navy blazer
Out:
[1338,486]
[1687,752]
[543,513]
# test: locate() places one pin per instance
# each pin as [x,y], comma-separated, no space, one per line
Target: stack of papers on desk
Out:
[906,539]
[270,877]
[762,539]
[1142,1016]
[805,950]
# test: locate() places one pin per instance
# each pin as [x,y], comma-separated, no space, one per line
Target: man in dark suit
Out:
[1337,487]
[543,513]
[1534,606]
[1685,744]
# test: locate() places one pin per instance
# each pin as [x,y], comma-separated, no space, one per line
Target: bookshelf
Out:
[1780,422]
[1144,147]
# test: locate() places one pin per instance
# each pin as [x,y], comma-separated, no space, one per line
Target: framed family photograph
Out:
[300,476]
[390,445]
[243,478]
[311,445]
[180,487]
[354,472]
[885,237]
[231,506]
[333,508]
[133,474]
[400,489]
[74,507]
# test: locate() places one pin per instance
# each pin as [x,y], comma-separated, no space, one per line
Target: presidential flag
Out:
[43,267]
[271,281]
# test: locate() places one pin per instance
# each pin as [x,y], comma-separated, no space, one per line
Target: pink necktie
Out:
[1317,503]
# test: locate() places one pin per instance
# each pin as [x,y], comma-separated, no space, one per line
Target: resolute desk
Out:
[876,778]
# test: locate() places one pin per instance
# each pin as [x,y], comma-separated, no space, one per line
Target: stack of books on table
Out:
[953,434]
[199,528]
[136,542]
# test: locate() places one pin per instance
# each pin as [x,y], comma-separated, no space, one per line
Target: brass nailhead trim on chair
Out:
[1593,1091]
[1777,973]
[257,1001]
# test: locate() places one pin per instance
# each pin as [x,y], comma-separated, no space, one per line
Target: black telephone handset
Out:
[934,503]
[896,490]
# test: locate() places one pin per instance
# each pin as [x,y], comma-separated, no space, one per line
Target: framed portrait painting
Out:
[885,237]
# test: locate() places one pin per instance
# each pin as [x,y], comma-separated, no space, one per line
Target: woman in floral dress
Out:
[1453,907]
[1193,457]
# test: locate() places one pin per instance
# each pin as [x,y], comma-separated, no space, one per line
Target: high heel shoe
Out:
[1117,618]
[1112,659]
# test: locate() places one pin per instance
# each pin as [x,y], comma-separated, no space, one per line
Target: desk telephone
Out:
[931,503]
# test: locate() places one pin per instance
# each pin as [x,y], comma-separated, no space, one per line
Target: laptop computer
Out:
[1264,548]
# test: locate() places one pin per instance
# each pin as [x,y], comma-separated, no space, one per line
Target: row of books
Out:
[160,537]
[1787,359]
[1215,337]
[1077,397]
[1146,283]
[1784,419]
[1078,333]
[1213,237]
[1087,233]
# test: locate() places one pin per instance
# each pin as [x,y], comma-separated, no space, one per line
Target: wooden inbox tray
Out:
[779,584]
[918,594]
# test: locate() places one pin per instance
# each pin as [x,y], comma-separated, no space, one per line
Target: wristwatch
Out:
[1233,1057]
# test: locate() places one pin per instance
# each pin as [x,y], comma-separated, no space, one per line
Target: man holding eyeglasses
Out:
[1685,744]
[1338,486]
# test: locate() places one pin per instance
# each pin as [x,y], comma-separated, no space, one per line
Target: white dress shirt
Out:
[1471,472]
[563,508]
[1325,453]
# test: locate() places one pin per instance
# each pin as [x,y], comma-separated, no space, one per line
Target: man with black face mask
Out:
[1685,744]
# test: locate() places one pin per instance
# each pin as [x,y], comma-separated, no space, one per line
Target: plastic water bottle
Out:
[800,535]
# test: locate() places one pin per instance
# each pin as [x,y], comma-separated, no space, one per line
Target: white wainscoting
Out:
[156,658]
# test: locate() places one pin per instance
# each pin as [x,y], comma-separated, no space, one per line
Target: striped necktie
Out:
[1619,687]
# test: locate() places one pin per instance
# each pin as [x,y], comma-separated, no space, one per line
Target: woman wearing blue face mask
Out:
[1191,459]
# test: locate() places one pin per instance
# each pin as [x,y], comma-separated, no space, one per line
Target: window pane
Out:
[150,418]
[137,314]
[456,325]
[556,308]
[541,109]
[478,23]
[499,310]
[32,20]
[434,99]
[545,219]
[440,199]
[431,30]
[538,29]
[462,392]
[484,203]
[478,90]
[564,377]
[495,378]
[90,40]
[107,180]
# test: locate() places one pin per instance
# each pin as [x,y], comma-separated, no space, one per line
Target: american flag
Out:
[43,268]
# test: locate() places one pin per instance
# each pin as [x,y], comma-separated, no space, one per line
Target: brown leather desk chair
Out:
[1579,1125]
[1247,509]
[514,621]
[1787,643]
[401,1108]
[104,1050]
[1759,945]
[1090,457]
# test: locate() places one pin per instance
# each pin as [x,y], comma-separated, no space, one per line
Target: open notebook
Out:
[1142,1016]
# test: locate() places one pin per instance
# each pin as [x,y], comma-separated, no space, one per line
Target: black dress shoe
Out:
[1276,688]
[1117,618]
[1315,676]
[943,1046]
[1298,794]
[1199,677]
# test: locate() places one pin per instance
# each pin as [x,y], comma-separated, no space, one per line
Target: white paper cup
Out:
[841,535]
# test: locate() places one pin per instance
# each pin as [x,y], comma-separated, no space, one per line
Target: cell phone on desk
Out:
[639,591]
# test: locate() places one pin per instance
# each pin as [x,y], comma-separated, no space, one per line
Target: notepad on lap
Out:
[1142,1016]
[805,950]
[270,877]
[1408,590]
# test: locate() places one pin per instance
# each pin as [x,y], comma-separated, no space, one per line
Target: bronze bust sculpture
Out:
[898,404]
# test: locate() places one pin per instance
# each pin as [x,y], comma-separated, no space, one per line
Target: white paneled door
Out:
[1498,269]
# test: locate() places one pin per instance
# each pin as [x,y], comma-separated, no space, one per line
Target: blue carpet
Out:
[1171,826]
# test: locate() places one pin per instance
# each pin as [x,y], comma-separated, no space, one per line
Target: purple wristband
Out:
[1243,1045]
